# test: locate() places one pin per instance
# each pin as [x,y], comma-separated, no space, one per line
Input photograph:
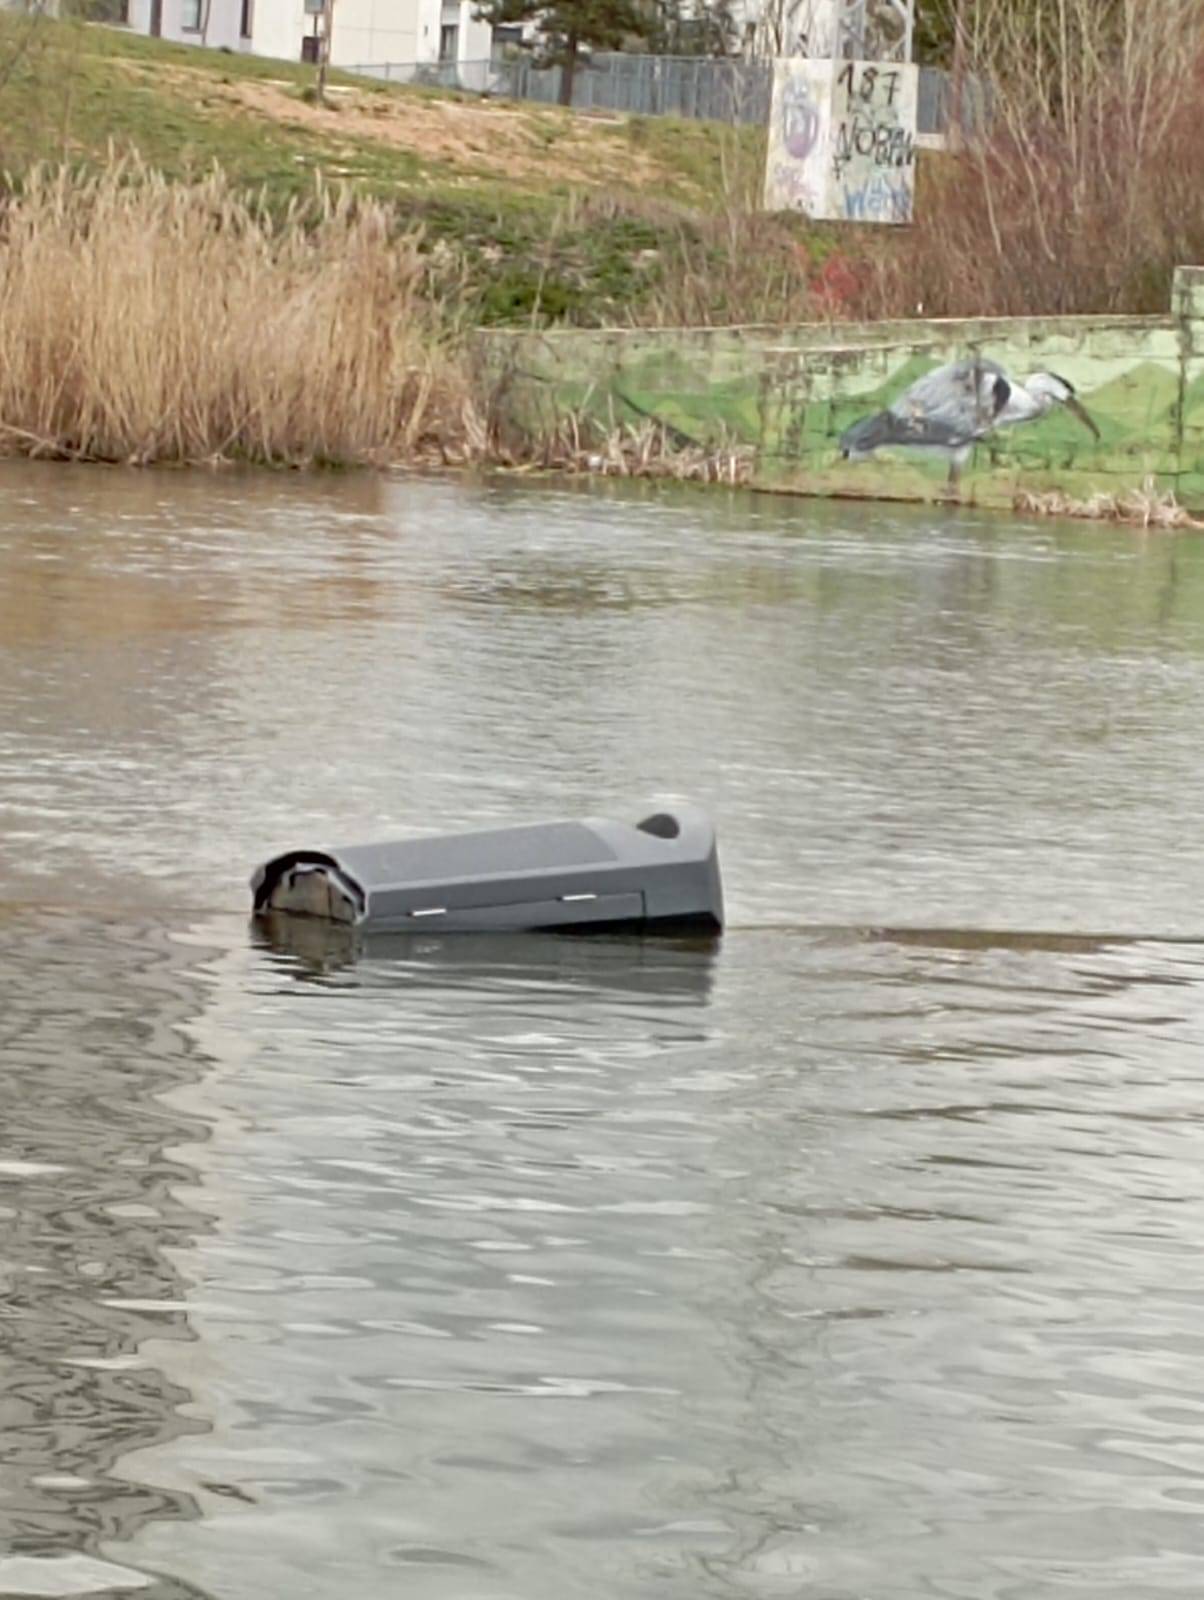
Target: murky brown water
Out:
[833,1261]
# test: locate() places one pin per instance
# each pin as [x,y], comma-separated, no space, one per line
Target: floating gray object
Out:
[662,872]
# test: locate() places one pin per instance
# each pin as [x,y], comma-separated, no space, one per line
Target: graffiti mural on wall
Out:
[873,156]
[842,140]
[789,394]
[800,130]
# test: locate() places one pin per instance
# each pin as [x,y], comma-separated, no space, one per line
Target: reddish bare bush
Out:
[1081,192]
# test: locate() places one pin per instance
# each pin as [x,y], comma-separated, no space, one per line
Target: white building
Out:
[365,32]
[227,22]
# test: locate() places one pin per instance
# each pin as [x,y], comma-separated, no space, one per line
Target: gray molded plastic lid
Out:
[593,871]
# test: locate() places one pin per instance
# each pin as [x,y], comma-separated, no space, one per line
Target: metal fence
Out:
[720,89]
[474,77]
[715,88]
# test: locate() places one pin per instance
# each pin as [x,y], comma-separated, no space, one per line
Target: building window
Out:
[449,36]
[507,38]
[190,16]
[247,19]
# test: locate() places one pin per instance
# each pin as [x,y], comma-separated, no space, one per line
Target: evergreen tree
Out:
[567,27]
[935,28]
[693,28]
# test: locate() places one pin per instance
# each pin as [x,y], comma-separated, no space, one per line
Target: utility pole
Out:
[955,136]
[324,48]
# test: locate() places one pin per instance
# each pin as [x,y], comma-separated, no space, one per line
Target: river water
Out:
[855,1257]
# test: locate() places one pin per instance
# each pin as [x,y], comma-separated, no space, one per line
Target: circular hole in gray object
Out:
[661,824]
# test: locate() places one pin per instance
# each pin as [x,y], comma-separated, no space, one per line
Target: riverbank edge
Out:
[765,406]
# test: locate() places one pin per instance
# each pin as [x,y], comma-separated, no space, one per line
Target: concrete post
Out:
[1188,307]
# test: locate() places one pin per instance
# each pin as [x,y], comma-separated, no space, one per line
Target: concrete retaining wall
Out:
[789,393]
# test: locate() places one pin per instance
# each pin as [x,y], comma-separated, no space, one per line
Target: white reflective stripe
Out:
[568,897]
[431,911]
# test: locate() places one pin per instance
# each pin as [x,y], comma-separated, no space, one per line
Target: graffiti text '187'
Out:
[864,83]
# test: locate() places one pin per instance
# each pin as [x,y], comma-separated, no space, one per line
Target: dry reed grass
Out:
[142,321]
[648,449]
[644,449]
[736,264]
[1147,507]
[740,267]
[1080,191]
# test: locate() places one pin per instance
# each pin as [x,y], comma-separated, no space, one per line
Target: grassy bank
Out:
[201,265]
[525,213]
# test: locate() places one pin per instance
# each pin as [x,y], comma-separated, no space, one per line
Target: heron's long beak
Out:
[1073,406]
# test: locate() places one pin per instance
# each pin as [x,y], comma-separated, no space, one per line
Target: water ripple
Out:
[854,1257]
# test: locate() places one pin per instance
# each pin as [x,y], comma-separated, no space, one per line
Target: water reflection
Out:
[449,1151]
[89,1035]
[639,965]
[859,1264]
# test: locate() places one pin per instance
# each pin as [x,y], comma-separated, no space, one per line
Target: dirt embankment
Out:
[486,137]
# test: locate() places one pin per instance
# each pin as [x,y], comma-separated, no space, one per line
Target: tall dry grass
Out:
[735,263]
[1081,192]
[741,266]
[142,321]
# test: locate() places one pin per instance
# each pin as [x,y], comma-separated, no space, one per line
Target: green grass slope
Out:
[531,213]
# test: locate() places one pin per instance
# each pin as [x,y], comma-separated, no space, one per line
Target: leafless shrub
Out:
[1081,192]
[738,269]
